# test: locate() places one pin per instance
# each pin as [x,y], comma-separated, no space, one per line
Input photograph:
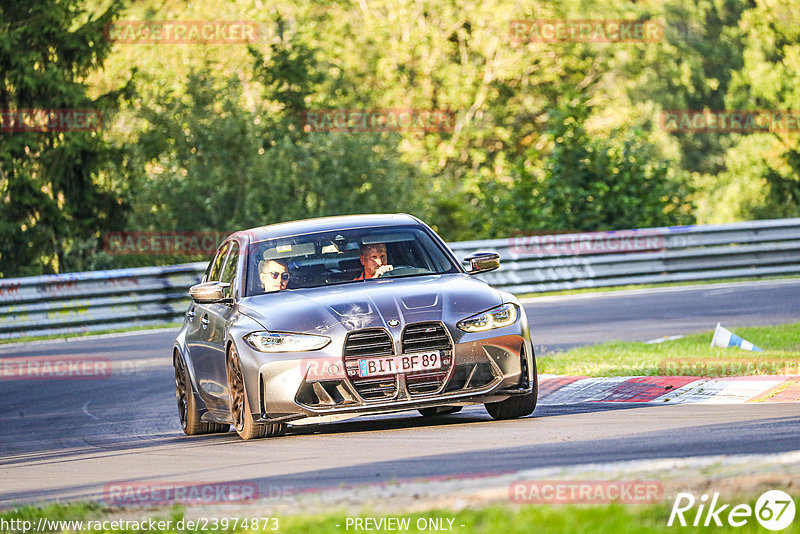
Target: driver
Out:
[373,258]
[273,274]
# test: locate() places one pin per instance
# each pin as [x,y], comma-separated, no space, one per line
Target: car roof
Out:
[326,224]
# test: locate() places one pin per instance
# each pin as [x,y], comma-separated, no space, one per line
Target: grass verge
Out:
[687,356]
[544,519]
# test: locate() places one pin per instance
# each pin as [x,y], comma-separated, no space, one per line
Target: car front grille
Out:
[419,337]
[372,342]
[365,343]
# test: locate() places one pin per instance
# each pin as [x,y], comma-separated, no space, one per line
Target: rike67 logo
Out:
[774,510]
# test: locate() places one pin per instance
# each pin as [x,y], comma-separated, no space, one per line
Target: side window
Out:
[216,264]
[229,269]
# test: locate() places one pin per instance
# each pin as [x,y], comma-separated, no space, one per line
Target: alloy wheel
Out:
[236,389]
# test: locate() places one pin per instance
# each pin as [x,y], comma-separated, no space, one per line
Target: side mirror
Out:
[208,292]
[482,261]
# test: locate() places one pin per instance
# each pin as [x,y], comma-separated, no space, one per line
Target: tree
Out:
[594,184]
[55,196]
[768,81]
[237,167]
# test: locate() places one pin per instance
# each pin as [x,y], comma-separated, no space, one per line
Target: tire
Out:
[188,413]
[518,405]
[439,410]
[242,416]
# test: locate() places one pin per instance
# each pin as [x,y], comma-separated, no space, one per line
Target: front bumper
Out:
[306,388]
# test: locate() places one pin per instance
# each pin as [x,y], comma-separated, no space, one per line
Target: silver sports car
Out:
[326,319]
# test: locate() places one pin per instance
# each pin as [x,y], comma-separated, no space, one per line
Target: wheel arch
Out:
[254,395]
[177,351]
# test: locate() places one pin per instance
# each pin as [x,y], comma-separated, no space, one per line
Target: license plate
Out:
[404,363]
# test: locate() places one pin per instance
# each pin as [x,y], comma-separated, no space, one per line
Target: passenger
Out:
[373,258]
[273,274]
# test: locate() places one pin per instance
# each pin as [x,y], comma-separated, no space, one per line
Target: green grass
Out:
[609,289]
[542,519]
[688,356]
[89,334]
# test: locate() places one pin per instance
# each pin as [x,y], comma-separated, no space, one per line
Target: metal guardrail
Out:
[644,256]
[96,300]
[121,298]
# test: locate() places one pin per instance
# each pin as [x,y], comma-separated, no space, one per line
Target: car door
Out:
[200,339]
[195,333]
[214,320]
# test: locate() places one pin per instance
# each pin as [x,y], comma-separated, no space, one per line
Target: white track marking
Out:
[86,411]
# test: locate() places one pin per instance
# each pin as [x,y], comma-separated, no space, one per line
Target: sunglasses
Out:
[274,275]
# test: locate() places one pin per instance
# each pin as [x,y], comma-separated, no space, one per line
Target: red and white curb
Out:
[558,389]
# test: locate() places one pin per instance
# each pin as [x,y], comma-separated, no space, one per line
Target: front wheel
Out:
[241,414]
[518,405]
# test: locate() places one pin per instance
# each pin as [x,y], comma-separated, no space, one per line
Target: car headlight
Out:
[280,342]
[498,317]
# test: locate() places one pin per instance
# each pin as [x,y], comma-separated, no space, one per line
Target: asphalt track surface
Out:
[66,440]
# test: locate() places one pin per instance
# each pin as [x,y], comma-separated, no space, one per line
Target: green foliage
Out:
[547,136]
[53,196]
[690,69]
[580,182]
[241,168]
[606,184]
[783,194]
[767,80]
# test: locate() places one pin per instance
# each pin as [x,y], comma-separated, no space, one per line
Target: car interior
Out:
[326,261]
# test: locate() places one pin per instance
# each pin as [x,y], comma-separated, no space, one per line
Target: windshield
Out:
[352,256]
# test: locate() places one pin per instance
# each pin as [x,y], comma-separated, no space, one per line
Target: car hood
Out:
[373,303]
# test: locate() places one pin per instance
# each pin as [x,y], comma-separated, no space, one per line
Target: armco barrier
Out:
[644,256]
[81,302]
[96,300]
